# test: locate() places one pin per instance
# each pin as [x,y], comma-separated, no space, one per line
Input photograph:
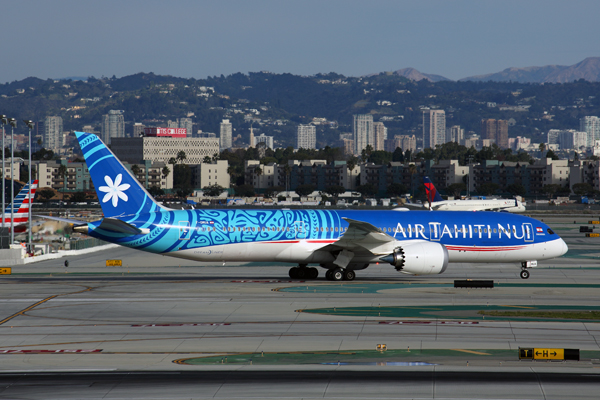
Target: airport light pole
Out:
[30,125]
[13,124]
[4,121]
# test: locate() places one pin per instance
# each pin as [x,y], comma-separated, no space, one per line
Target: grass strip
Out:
[544,314]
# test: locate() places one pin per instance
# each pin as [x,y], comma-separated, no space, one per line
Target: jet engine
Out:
[421,258]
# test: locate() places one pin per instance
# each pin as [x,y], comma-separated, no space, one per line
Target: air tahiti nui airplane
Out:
[341,242]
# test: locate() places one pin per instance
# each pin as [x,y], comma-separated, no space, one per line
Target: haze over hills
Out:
[588,69]
[415,75]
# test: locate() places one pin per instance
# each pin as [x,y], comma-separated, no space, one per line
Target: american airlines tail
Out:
[18,210]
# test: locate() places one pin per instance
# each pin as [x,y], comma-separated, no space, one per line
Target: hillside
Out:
[588,69]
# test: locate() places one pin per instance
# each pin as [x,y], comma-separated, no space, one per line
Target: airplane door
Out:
[528,232]
[300,230]
[184,230]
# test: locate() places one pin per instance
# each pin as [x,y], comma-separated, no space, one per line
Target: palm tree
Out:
[181,156]
[62,172]
[287,170]
[258,171]
[412,168]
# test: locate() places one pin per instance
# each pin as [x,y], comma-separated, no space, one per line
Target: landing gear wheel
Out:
[313,273]
[524,274]
[349,275]
[301,273]
[293,272]
[337,274]
[328,275]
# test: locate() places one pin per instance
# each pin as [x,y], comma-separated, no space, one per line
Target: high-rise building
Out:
[502,134]
[496,130]
[138,129]
[591,126]
[434,128]
[455,134]
[251,138]
[379,136]
[267,140]
[363,132]
[172,124]
[306,137]
[53,133]
[405,142]
[225,135]
[568,139]
[186,123]
[113,125]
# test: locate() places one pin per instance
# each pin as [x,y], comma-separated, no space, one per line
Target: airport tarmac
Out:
[160,327]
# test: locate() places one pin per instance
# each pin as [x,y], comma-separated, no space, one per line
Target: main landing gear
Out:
[303,272]
[338,274]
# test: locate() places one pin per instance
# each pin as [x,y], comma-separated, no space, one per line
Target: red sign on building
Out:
[166,132]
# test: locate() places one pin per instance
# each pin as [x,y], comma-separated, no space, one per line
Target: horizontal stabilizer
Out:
[67,220]
[116,225]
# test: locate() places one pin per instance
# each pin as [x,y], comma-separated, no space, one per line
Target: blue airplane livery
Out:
[342,242]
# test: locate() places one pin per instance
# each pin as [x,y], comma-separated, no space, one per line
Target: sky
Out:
[197,39]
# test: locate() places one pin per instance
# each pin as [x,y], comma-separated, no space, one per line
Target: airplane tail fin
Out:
[18,210]
[119,193]
[432,194]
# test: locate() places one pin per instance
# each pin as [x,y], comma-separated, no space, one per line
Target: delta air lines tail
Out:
[437,203]
[341,242]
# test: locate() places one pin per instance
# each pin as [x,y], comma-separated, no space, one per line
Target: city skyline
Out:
[178,38]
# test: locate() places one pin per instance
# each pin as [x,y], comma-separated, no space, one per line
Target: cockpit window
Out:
[550,231]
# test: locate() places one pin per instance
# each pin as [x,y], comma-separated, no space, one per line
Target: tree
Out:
[166,171]
[488,188]
[244,190]
[135,169]
[542,147]
[181,157]
[62,172]
[516,189]
[583,189]
[287,170]
[46,193]
[156,191]
[206,160]
[271,192]
[456,188]
[366,152]
[551,189]
[396,189]
[213,190]
[398,155]
[335,190]
[78,197]
[304,190]
[552,155]
[367,190]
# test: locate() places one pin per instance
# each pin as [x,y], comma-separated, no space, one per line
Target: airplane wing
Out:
[67,220]
[360,238]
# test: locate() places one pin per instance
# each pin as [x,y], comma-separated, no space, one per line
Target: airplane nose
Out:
[564,248]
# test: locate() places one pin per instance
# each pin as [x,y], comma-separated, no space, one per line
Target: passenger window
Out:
[494,230]
[336,229]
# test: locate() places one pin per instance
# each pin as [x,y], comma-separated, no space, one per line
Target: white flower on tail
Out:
[114,190]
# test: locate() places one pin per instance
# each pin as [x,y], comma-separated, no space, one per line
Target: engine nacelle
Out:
[421,258]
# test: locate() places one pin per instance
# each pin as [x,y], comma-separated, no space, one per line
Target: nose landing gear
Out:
[524,274]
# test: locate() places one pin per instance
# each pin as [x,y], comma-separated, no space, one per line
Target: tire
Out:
[313,273]
[301,273]
[337,274]
[349,275]
[524,274]
[293,272]
[328,275]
